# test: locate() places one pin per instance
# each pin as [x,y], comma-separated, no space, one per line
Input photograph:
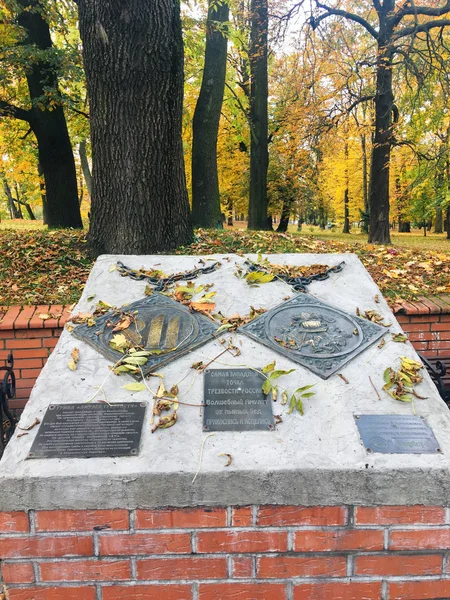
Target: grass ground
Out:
[50,267]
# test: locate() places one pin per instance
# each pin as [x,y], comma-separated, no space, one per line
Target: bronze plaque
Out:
[89,430]
[314,334]
[161,325]
[234,401]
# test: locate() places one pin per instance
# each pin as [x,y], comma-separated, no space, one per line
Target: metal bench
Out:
[7,391]
[439,370]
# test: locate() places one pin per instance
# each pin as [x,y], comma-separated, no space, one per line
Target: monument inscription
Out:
[234,401]
[396,434]
[89,430]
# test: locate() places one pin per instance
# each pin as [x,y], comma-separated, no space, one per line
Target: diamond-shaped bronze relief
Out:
[160,324]
[314,334]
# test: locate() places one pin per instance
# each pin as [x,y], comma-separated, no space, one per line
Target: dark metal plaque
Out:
[314,334]
[161,325]
[234,401]
[396,434]
[89,430]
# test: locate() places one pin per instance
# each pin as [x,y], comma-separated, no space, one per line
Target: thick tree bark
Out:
[259,90]
[379,232]
[205,181]
[49,126]
[85,166]
[133,57]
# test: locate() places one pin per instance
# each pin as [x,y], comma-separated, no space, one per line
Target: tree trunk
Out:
[285,215]
[13,211]
[22,202]
[448,221]
[43,195]
[85,166]
[404,226]
[438,223]
[381,151]
[205,181]
[49,124]
[259,90]
[133,57]
[346,211]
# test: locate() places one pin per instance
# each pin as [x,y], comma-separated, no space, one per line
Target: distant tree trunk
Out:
[448,221]
[259,90]
[381,152]
[21,202]
[364,173]
[13,210]
[85,166]
[49,125]
[285,215]
[43,195]
[404,226]
[346,211]
[438,223]
[205,180]
[133,57]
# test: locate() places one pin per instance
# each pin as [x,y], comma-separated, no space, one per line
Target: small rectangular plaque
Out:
[396,434]
[89,430]
[234,401]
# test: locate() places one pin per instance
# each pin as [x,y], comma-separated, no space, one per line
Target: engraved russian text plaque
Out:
[89,430]
[396,434]
[234,401]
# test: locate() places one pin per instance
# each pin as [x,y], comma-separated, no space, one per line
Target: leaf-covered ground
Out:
[40,267]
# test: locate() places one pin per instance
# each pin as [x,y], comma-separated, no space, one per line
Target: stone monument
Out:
[240,494]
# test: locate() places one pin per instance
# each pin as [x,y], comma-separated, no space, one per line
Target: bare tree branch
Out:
[423,28]
[427,10]
[315,21]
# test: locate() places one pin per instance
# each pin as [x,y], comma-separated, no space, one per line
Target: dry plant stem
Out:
[201,456]
[212,360]
[179,402]
[376,391]
[100,389]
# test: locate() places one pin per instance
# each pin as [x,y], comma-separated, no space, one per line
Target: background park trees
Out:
[345,119]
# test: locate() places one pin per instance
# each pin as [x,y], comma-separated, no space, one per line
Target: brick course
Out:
[345,553]
[31,339]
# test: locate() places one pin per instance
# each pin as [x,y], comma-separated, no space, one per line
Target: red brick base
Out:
[246,553]
[31,338]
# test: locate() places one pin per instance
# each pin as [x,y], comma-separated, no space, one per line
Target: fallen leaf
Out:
[72,364]
[230,458]
[202,306]
[35,422]
[135,387]
[123,323]
[166,422]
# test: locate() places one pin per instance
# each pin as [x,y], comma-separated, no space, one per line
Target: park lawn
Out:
[51,267]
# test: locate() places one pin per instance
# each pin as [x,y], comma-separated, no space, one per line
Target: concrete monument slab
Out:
[317,458]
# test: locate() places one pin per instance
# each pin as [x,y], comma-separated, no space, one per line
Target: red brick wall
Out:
[429,334]
[257,553]
[31,339]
